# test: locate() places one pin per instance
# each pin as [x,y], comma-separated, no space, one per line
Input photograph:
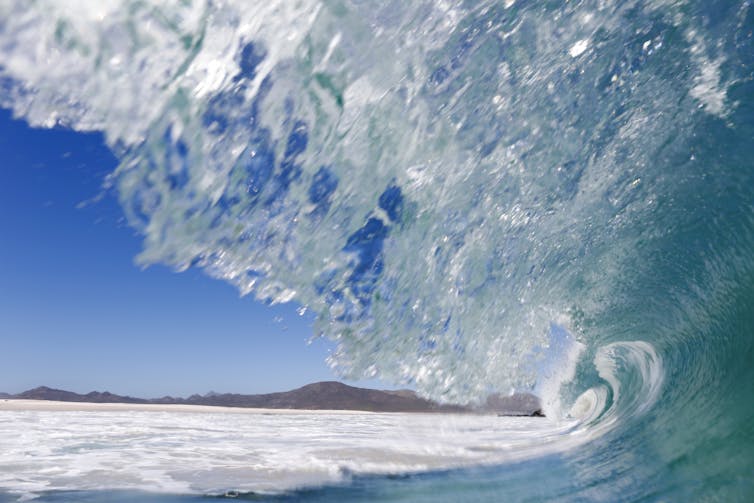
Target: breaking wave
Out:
[469,196]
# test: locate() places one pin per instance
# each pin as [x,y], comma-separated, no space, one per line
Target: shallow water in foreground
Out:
[65,455]
[165,457]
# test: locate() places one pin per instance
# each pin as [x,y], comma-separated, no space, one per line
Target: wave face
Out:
[469,196]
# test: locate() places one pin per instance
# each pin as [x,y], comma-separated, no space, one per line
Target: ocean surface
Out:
[75,455]
[469,196]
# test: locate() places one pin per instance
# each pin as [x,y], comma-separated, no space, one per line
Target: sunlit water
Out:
[49,453]
[468,196]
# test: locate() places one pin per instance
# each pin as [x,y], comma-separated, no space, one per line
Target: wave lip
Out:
[434,185]
[633,376]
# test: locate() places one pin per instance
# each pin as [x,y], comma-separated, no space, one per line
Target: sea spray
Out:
[441,183]
[426,210]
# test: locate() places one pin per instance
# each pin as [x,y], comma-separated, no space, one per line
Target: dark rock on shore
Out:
[518,404]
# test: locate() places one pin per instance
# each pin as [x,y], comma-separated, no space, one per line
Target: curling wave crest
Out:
[440,183]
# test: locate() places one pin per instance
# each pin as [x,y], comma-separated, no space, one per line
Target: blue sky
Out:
[76,313]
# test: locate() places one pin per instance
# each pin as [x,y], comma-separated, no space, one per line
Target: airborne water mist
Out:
[470,196]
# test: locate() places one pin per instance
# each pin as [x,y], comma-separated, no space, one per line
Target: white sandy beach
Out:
[49,405]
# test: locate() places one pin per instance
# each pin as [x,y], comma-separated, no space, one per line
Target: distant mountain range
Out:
[329,395]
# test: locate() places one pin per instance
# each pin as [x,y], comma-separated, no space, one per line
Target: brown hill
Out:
[45,393]
[328,395]
[318,396]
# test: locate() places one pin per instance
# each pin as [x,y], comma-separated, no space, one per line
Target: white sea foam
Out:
[180,452]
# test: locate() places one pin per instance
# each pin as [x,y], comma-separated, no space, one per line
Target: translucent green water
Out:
[470,196]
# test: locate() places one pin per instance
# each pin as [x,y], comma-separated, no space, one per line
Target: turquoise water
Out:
[470,196]
[510,483]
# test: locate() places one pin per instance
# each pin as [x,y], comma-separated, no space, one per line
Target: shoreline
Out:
[28,405]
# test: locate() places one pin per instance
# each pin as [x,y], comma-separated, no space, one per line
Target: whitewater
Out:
[469,197]
[265,453]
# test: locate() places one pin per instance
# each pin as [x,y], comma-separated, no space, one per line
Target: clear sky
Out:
[77,314]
